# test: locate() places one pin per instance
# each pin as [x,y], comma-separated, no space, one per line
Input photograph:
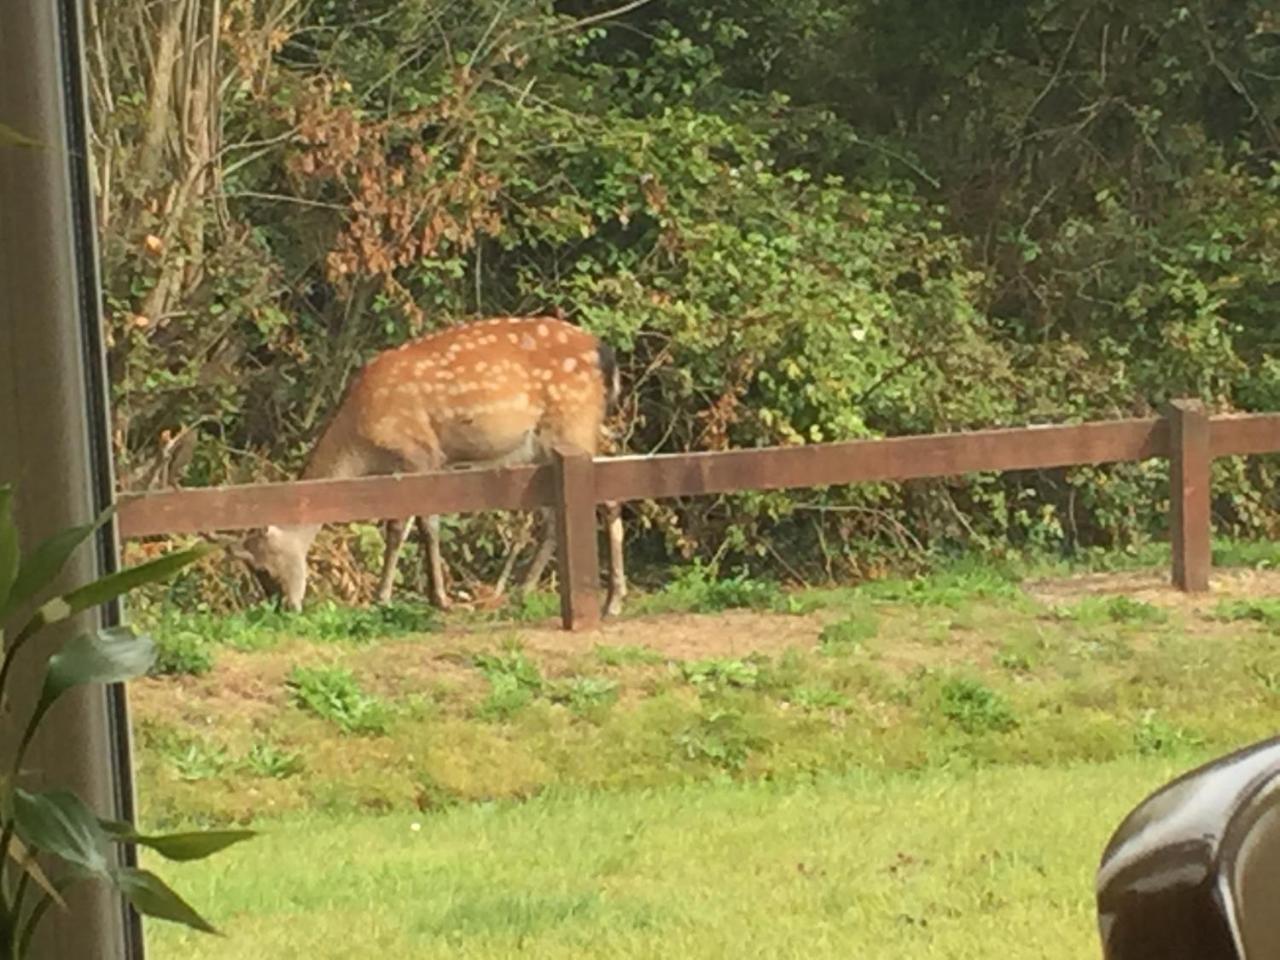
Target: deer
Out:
[501,391]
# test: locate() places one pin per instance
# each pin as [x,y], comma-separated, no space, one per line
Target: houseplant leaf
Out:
[195,845]
[25,858]
[58,822]
[152,896]
[43,564]
[120,582]
[110,655]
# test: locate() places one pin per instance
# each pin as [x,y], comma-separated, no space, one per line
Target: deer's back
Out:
[485,391]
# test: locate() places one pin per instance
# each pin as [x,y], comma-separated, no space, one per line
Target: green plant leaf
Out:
[58,822]
[121,582]
[46,561]
[110,655]
[153,897]
[8,548]
[194,845]
[20,854]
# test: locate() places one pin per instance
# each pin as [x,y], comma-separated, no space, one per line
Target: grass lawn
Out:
[940,864]
[925,767]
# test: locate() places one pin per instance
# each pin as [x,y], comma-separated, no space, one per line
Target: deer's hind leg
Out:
[430,529]
[393,533]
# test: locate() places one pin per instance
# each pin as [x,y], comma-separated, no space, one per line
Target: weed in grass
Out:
[533,607]
[182,653]
[1259,554]
[1015,661]
[263,627]
[584,695]
[819,698]
[719,737]
[850,634]
[265,759]
[955,585]
[1117,609]
[712,675]
[696,589]
[780,677]
[333,694]
[626,655]
[1154,737]
[200,760]
[1264,611]
[974,707]
[514,680]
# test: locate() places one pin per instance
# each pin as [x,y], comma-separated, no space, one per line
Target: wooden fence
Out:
[574,484]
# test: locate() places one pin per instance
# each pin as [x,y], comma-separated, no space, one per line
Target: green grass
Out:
[943,863]
[825,770]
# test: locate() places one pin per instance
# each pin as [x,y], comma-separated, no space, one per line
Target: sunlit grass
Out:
[940,864]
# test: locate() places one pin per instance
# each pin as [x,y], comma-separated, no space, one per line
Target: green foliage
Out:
[199,759]
[1005,213]
[514,681]
[849,634]
[263,626]
[713,675]
[58,823]
[819,698]
[1116,609]
[1261,610]
[697,589]
[1154,737]
[333,694]
[266,759]
[584,695]
[974,707]
[182,653]
[722,737]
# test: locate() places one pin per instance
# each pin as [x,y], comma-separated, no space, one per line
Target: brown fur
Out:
[498,391]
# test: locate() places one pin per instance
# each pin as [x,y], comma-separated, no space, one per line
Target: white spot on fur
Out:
[570,364]
[481,366]
[528,342]
[514,338]
[542,330]
[562,337]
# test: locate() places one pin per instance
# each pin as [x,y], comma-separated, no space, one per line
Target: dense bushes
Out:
[797,224]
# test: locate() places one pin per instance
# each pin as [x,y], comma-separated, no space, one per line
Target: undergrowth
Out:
[955,668]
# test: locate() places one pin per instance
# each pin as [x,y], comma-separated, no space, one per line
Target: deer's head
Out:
[278,560]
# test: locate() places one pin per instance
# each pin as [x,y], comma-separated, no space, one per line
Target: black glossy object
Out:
[1193,873]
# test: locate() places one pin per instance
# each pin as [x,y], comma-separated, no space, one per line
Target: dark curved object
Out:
[1193,872]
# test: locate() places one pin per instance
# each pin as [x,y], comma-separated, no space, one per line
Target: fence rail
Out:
[574,483]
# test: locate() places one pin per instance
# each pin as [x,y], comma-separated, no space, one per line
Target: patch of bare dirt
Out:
[683,636]
[1156,589]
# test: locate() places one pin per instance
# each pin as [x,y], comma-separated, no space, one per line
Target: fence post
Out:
[1190,464]
[577,557]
